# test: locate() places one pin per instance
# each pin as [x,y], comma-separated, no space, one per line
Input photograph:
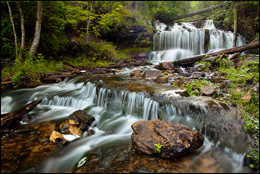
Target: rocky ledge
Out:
[164,139]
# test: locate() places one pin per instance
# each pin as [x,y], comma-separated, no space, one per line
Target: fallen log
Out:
[12,118]
[4,83]
[191,60]
[233,56]
[198,12]
[71,69]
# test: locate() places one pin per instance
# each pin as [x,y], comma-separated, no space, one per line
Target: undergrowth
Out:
[31,68]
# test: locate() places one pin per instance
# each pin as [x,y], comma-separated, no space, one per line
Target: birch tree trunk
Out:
[136,7]
[235,24]
[37,33]
[88,22]
[15,37]
[22,30]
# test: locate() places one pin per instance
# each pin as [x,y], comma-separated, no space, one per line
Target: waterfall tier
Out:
[185,40]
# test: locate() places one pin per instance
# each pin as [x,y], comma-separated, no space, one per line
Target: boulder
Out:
[153,74]
[164,139]
[57,138]
[166,66]
[207,90]
[78,122]
[81,116]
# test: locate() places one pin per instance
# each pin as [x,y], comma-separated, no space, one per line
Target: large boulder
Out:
[175,139]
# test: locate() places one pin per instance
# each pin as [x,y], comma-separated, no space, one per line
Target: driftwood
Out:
[11,118]
[9,82]
[191,60]
[233,56]
[197,12]
[71,69]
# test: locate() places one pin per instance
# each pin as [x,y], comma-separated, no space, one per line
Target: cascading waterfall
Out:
[185,40]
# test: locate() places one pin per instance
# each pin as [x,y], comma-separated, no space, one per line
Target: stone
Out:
[152,74]
[136,73]
[225,84]
[166,66]
[246,98]
[207,90]
[57,138]
[64,126]
[176,140]
[183,93]
[78,122]
[161,80]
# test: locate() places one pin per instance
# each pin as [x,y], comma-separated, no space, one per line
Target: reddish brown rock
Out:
[166,66]
[176,139]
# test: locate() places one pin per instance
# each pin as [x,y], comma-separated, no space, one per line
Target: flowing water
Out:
[185,40]
[117,101]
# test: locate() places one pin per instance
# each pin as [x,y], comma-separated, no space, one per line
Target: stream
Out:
[117,101]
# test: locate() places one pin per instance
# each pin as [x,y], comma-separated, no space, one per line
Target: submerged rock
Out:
[175,139]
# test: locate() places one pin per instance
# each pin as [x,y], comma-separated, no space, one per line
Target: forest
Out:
[41,39]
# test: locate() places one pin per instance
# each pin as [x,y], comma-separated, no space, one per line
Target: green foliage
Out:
[159,146]
[31,68]
[106,22]
[254,155]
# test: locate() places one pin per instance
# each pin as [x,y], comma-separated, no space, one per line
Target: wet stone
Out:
[175,140]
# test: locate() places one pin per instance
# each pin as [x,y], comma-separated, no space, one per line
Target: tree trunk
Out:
[194,59]
[88,22]
[198,12]
[235,24]
[136,7]
[11,118]
[15,37]
[22,29]
[37,33]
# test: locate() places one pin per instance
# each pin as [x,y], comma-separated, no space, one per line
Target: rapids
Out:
[115,107]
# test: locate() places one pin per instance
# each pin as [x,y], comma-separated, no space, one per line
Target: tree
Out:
[136,7]
[234,7]
[15,37]
[22,30]
[37,33]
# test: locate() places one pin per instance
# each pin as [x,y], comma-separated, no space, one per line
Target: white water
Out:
[115,112]
[185,40]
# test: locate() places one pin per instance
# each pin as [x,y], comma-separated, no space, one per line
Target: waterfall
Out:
[185,40]
[125,102]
